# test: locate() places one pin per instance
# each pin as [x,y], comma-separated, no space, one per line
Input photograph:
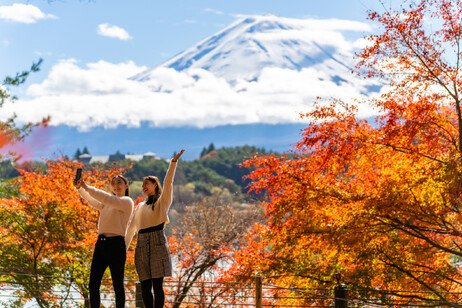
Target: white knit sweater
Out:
[144,216]
[114,211]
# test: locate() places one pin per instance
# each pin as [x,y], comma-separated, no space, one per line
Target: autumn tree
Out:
[202,245]
[378,201]
[48,233]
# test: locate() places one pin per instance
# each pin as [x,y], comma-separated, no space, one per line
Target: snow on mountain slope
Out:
[243,49]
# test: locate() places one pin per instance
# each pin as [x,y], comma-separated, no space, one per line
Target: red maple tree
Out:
[378,201]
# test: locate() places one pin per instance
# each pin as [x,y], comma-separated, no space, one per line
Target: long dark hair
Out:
[127,191]
[153,199]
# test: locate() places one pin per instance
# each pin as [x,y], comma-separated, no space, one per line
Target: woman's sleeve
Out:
[124,204]
[131,229]
[167,193]
[93,202]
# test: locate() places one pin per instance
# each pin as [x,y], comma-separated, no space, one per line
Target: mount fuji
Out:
[246,84]
[250,45]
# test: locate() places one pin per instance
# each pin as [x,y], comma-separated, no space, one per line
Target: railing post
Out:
[341,296]
[258,291]
[138,298]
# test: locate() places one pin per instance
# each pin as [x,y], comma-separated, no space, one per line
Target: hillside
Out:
[216,171]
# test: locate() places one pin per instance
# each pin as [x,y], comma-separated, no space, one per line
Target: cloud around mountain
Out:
[266,87]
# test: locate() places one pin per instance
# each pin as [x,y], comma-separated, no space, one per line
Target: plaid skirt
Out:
[152,257]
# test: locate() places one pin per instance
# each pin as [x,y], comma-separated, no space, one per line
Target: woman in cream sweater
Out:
[152,257]
[114,213]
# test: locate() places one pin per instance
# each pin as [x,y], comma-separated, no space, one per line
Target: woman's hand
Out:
[80,184]
[77,184]
[177,156]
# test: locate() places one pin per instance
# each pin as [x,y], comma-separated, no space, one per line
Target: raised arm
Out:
[92,201]
[124,204]
[166,197]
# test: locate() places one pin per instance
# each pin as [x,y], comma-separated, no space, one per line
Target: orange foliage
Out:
[378,202]
[48,232]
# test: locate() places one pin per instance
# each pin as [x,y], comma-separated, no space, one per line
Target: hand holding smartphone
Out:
[78,176]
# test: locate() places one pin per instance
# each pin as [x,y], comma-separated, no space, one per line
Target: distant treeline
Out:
[217,170]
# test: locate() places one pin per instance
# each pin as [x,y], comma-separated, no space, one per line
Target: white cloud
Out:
[113,31]
[363,43]
[23,13]
[213,11]
[103,94]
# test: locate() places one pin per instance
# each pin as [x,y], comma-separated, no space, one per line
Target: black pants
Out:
[109,251]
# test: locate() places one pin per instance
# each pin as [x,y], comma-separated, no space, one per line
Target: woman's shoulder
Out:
[127,198]
[141,205]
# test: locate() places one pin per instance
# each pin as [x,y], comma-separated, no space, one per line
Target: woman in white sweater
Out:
[110,251]
[152,257]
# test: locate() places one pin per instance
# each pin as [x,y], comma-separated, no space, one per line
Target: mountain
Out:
[243,49]
[244,85]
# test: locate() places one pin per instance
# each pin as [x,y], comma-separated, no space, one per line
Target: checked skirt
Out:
[152,257]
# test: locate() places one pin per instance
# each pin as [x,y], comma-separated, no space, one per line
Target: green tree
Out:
[10,132]
[77,154]
[203,152]
[116,157]
[228,163]
[145,167]
[211,148]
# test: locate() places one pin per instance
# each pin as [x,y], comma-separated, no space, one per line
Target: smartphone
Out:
[78,174]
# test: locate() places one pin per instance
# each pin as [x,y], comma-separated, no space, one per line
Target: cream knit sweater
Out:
[144,216]
[114,211]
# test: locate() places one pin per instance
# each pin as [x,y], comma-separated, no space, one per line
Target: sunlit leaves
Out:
[48,231]
[376,200]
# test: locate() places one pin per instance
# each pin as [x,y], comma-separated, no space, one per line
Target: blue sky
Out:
[91,48]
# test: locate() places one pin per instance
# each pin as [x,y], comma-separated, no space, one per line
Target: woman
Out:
[115,211]
[152,257]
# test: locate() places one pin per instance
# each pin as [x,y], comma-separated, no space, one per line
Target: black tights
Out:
[146,292]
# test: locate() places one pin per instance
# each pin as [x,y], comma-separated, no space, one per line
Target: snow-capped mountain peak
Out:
[243,49]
